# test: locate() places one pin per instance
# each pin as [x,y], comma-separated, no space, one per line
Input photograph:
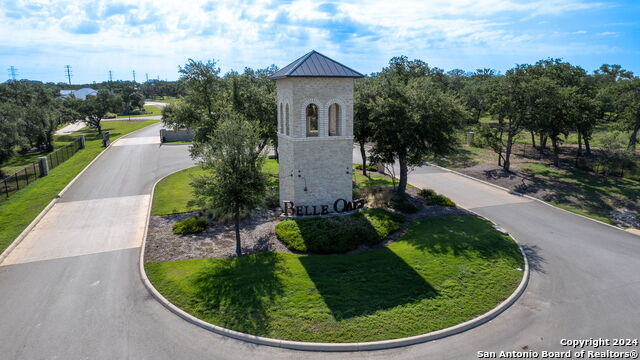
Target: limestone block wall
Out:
[176,135]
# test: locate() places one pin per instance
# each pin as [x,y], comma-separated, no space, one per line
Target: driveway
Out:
[71,289]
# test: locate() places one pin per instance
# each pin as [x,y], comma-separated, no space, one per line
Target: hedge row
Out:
[338,234]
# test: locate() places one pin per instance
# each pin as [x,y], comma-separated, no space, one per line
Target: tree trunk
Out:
[507,154]
[99,129]
[533,139]
[402,186]
[363,154]
[556,151]
[543,145]
[634,134]
[478,113]
[579,143]
[238,245]
[587,146]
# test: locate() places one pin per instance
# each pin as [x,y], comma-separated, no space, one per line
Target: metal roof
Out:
[314,64]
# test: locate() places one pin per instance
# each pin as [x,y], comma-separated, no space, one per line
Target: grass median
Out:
[17,212]
[443,271]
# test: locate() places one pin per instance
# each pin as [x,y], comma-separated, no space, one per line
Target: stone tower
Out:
[315,133]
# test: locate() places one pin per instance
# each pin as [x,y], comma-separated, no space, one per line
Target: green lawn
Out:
[169,100]
[151,111]
[583,192]
[442,272]
[373,180]
[22,207]
[174,192]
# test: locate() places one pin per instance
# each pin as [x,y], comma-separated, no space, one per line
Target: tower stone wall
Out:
[315,170]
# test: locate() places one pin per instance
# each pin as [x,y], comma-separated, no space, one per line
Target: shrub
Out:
[403,204]
[190,225]
[110,115]
[435,199]
[440,200]
[427,193]
[338,234]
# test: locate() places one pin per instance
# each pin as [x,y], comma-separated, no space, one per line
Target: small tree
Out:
[94,108]
[413,116]
[181,115]
[234,183]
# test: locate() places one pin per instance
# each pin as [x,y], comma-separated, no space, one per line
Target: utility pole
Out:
[110,76]
[134,76]
[12,72]
[67,69]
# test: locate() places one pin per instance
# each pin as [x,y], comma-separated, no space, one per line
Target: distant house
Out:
[78,94]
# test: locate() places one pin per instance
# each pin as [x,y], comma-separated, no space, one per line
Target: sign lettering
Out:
[339,206]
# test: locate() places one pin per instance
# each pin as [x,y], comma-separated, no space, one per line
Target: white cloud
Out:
[242,33]
[607,33]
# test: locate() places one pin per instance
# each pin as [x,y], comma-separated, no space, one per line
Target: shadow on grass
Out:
[361,284]
[595,194]
[239,290]
[464,236]
[462,157]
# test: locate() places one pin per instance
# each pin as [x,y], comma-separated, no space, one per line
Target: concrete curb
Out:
[331,347]
[528,197]
[44,211]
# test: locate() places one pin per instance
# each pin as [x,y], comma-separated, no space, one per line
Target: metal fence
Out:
[31,172]
[62,154]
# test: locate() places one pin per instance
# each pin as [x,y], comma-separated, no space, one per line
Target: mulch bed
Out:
[256,233]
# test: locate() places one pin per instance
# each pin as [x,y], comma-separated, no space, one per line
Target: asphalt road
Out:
[71,289]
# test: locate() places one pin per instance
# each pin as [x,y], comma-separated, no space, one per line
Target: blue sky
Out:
[39,37]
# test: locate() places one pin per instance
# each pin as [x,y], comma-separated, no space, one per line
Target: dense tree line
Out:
[31,111]
[546,100]
[552,98]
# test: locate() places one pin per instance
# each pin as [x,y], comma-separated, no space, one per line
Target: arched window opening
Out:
[334,120]
[280,118]
[312,120]
[286,118]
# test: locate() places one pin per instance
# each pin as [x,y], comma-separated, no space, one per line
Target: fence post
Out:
[105,138]
[469,138]
[81,141]
[6,188]
[44,166]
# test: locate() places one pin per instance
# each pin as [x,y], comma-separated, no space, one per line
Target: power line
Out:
[67,69]
[12,72]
